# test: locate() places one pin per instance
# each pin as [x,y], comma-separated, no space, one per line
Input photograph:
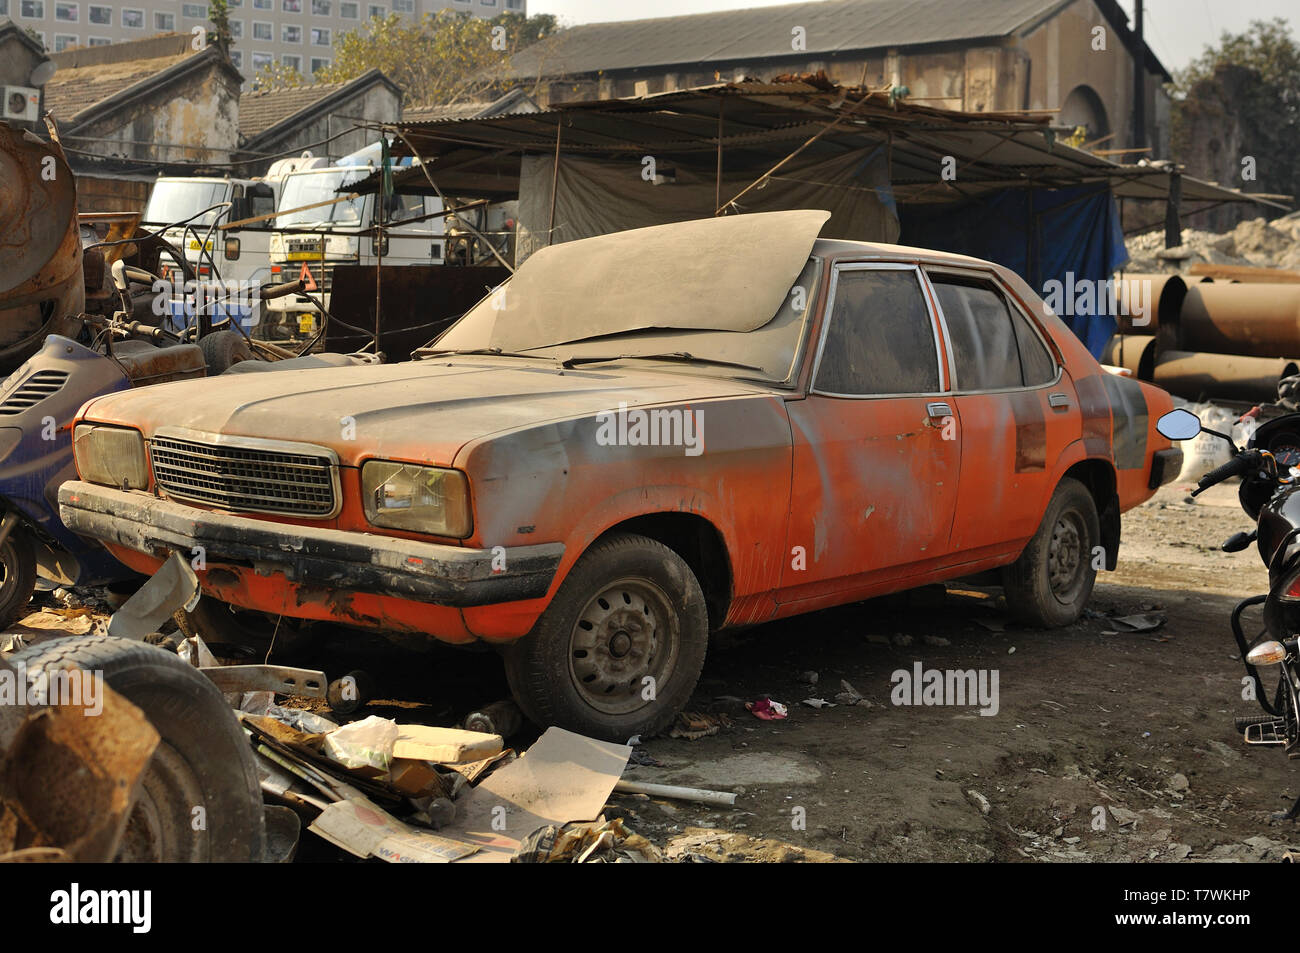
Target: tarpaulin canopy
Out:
[596,196]
[1071,236]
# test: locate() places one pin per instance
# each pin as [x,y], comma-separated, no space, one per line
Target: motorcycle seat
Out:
[145,363]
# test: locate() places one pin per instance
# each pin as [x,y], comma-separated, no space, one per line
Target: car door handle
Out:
[1058,399]
[938,409]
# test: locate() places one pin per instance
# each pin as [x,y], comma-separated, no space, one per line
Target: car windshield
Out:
[769,352]
[311,188]
[175,201]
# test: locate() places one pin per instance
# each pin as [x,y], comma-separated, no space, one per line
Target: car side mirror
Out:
[1179,425]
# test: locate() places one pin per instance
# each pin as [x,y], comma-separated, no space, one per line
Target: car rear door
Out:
[877,447]
[1015,412]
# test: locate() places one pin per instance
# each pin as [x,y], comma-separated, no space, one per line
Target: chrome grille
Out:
[246,478]
[33,390]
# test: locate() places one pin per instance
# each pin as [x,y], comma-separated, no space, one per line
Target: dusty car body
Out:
[642,438]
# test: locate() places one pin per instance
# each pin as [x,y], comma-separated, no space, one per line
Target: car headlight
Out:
[421,499]
[111,456]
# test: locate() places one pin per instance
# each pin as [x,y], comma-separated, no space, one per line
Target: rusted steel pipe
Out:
[1149,311]
[1136,352]
[1253,320]
[1195,376]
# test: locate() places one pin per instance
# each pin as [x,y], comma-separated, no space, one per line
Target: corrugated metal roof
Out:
[831,26]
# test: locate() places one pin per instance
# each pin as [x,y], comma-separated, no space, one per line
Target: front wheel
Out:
[1052,580]
[18,564]
[620,648]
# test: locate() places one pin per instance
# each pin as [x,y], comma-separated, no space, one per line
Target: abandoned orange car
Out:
[638,440]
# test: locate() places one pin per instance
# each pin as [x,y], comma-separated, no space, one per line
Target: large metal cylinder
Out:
[1150,302]
[1137,352]
[1197,376]
[1253,320]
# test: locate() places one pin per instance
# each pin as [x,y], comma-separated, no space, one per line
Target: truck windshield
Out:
[175,201]
[310,188]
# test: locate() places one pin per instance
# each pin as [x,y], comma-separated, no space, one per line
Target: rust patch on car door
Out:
[1031,432]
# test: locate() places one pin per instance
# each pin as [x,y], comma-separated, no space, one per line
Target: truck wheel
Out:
[18,563]
[218,622]
[202,761]
[620,648]
[223,350]
[1052,580]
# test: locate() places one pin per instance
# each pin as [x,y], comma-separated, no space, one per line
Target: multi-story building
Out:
[296,33]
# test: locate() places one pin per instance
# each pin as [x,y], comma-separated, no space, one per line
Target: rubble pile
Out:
[1257,243]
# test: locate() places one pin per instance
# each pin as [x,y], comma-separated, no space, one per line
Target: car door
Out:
[877,445]
[1015,415]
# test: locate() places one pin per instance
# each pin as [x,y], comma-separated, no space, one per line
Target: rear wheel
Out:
[224,349]
[1052,580]
[202,760]
[620,648]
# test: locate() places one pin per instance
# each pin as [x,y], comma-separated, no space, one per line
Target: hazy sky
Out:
[1176,29]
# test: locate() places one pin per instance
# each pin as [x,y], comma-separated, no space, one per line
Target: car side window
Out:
[880,339]
[984,347]
[1035,360]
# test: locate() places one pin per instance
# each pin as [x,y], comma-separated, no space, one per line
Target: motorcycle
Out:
[1269,467]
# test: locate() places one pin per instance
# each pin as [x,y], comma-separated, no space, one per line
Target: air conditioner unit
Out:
[22,103]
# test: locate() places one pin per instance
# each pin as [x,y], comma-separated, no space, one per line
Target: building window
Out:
[514,4]
[100,16]
[261,4]
[350,11]
[62,42]
[322,8]
[234,3]
[292,62]
[32,9]
[66,13]
[4,8]
[404,6]
[164,22]
[98,41]
[488,3]
[237,29]
[320,36]
[133,19]
[194,11]
[261,31]
[319,63]
[261,61]
[377,11]
[291,6]
[290,33]
[236,59]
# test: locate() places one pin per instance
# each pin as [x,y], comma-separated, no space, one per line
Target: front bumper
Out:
[340,559]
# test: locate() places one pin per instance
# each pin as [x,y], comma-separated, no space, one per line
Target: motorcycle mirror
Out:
[1266,653]
[1179,425]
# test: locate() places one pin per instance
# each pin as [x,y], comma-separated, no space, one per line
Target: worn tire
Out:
[224,349]
[203,758]
[18,561]
[218,623]
[582,666]
[1051,582]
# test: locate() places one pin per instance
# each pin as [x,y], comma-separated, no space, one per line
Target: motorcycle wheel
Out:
[223,350]
[18,563]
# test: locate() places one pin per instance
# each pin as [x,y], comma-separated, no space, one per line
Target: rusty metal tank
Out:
[42,288]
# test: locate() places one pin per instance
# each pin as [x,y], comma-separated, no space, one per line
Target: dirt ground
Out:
[1106,745]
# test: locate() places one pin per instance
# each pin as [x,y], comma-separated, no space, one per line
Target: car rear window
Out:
[880,339]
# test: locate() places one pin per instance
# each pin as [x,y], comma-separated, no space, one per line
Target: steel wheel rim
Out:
[1065,556]
[624,634]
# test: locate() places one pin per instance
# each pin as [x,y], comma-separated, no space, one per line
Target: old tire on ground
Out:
[629,609]
[202,759]
[218,622]
[18,579]
[224,349]
[1050,583]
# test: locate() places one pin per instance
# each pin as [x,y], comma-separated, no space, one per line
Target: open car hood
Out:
[726,274]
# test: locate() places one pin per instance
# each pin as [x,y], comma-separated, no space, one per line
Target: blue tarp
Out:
[1064,235]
